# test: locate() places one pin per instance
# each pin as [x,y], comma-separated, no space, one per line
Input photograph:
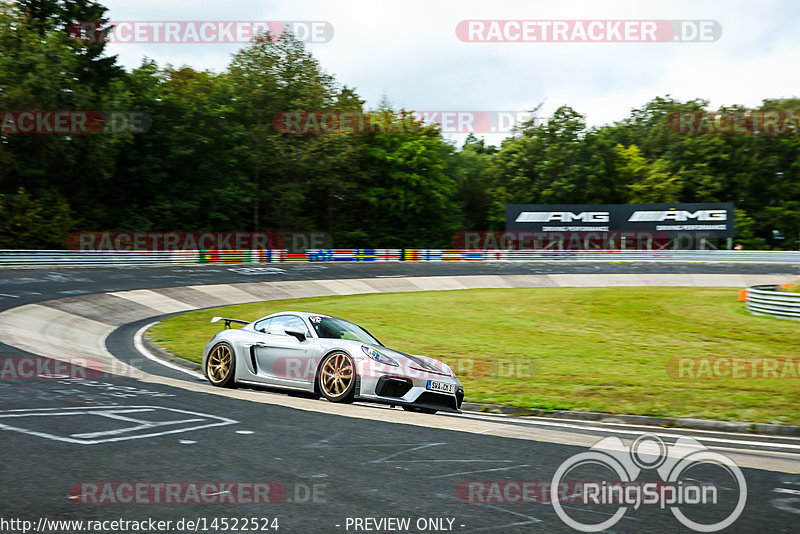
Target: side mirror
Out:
[296,333]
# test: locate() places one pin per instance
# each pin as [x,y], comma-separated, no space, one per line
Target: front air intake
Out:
[389,386]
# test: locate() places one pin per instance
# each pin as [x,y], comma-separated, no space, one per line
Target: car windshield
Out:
[333,328]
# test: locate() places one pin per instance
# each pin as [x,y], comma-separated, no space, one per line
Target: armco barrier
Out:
[33,258]
[242,256]
[348,254]
[727,256]
[767,300]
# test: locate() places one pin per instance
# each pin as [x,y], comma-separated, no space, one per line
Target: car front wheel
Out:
[337,377]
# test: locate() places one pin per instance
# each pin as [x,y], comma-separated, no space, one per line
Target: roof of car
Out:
[300,313]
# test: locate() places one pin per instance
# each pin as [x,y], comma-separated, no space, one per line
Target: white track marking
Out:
[703,435]
[606,427]
[537,420]
[112,411]
[139,344]
[481,471]
[651,430]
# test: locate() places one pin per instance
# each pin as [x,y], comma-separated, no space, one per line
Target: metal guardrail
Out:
[79,258]
[33,258]
[723,256]
[767,300]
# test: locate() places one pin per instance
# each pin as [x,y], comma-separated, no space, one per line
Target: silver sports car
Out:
[322,355]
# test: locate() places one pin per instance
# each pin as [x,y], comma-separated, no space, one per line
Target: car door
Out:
[281,358]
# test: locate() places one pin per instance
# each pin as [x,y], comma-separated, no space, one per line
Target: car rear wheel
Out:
[221,365]
[337,377]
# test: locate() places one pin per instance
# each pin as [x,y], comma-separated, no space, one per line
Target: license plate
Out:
[444,387]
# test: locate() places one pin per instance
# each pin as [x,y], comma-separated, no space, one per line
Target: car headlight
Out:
[378,356]
[448,370]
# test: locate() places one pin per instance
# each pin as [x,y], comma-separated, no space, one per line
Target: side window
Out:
[287,322]
[263,325]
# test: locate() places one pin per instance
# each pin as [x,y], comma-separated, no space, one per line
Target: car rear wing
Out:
[228,321]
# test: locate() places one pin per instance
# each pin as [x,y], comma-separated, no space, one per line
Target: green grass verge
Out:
[794,288]
[592,349]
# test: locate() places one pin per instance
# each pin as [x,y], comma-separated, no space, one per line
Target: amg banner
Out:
[669,220]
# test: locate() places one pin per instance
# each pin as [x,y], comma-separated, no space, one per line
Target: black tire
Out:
[336,377]
[220,366]
[419,410]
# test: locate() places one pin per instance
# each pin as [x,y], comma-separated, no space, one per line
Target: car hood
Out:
[423,363]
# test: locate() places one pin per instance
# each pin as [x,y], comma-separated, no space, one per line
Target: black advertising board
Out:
[671,220]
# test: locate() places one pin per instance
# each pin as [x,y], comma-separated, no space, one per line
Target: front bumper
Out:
[411,391]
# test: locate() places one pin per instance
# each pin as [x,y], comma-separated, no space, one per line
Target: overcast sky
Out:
[409,51]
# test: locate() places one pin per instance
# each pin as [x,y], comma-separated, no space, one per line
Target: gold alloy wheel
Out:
[336,375]
[219,364]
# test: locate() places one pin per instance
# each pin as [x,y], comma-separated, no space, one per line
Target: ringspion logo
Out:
[691,477]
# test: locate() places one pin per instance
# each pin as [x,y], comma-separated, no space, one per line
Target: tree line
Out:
[211,158]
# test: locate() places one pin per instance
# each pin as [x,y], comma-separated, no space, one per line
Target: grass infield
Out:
[683,352]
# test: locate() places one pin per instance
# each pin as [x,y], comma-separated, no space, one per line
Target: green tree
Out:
[33,222]
[273,76]
[41,68]
[470,168]
[560,161]
[189,171]
[647,183]
[405,196]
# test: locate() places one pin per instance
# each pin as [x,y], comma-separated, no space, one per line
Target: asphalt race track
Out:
[70,446]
